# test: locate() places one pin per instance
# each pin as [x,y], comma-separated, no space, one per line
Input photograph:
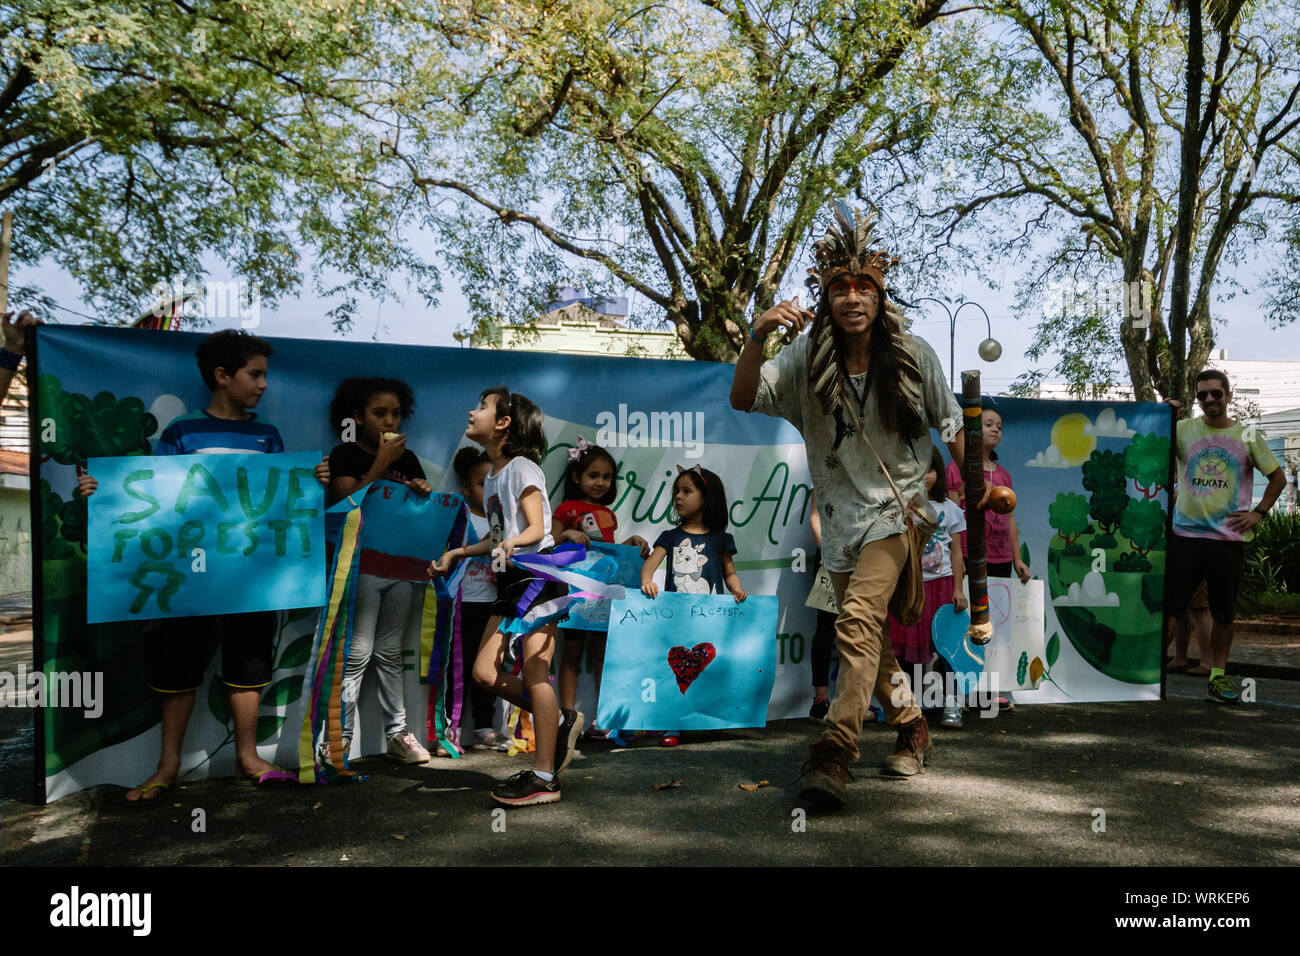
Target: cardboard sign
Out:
[592,614]
[402,531]
[688,662]
[822,595]
[194,535]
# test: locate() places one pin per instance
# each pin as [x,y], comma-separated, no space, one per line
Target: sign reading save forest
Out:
[191,535]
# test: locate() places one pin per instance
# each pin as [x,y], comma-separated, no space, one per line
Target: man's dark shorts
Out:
[1193,560]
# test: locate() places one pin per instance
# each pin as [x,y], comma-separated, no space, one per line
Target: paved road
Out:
[1181,782]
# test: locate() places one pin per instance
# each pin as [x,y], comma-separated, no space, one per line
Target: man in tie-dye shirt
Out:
[1217,460]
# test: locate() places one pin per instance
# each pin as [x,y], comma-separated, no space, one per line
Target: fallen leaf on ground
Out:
[751,787]
[318,805]
[399,836]
[669,785]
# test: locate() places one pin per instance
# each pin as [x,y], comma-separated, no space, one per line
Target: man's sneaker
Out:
[913,749]
[566,736]
[820,708]
[951,713]
[485,738]
[526,788]
[1221,690]
[824,778]
[406,748]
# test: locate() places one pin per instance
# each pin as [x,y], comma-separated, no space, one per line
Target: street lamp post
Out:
[990,349]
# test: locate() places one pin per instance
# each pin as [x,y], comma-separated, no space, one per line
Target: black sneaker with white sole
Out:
[525,789]
[566,737]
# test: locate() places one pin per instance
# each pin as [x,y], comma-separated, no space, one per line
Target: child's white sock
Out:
[545,775]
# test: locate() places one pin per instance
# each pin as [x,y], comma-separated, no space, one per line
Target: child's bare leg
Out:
[537,650]
[489,675]
[176,710]
[570,665]
[243,708]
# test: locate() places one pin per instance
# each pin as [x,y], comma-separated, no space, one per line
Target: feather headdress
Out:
[846,249]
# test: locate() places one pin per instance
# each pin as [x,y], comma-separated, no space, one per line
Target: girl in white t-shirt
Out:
[943,573]
[509,427]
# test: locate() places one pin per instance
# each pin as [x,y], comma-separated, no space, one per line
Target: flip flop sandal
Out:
[269,779]
[145,800]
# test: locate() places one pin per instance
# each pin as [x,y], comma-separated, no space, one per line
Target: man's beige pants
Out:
[867,660]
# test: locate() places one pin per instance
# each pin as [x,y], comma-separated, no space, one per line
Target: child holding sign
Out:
[509,427]
[367,412]
[234,366]
[698,550]
[590,486]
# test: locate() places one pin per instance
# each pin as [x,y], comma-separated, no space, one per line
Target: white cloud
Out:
[1051,458]
[166,409]
[1108,426]
[1093,593]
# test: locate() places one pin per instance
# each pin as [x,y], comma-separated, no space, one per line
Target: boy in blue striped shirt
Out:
[233,364]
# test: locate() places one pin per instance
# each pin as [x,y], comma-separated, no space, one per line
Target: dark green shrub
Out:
[1271,573]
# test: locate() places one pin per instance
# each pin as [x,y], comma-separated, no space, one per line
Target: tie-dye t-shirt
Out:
[1216,476]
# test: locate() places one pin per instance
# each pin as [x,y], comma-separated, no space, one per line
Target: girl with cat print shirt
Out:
[590,487]
[698,550]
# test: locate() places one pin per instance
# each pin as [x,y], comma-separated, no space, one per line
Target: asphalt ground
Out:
[1180,782]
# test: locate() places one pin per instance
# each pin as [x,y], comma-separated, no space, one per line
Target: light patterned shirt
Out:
[1216,475]
[856,503]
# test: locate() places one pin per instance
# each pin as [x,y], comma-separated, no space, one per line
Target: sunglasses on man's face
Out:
[1214,393]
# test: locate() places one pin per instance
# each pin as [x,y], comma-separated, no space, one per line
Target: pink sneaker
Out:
[407,749]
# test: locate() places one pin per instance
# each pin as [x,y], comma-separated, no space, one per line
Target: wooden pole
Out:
[6,230]
[973,478]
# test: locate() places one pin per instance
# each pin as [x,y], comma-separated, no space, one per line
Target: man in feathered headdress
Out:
[857,382]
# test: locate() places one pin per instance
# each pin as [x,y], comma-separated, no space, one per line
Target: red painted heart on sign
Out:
[687,665]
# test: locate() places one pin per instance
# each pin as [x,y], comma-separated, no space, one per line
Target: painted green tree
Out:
[1144,526]
[1068,514]
[75,428]
[1146,461]
[54,542]
[1103,475]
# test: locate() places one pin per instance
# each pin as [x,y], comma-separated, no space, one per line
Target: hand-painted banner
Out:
[402,531]
[689,662]
[192,535]
[617,563]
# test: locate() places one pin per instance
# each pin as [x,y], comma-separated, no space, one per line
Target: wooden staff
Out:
[981,631]
[6,231]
